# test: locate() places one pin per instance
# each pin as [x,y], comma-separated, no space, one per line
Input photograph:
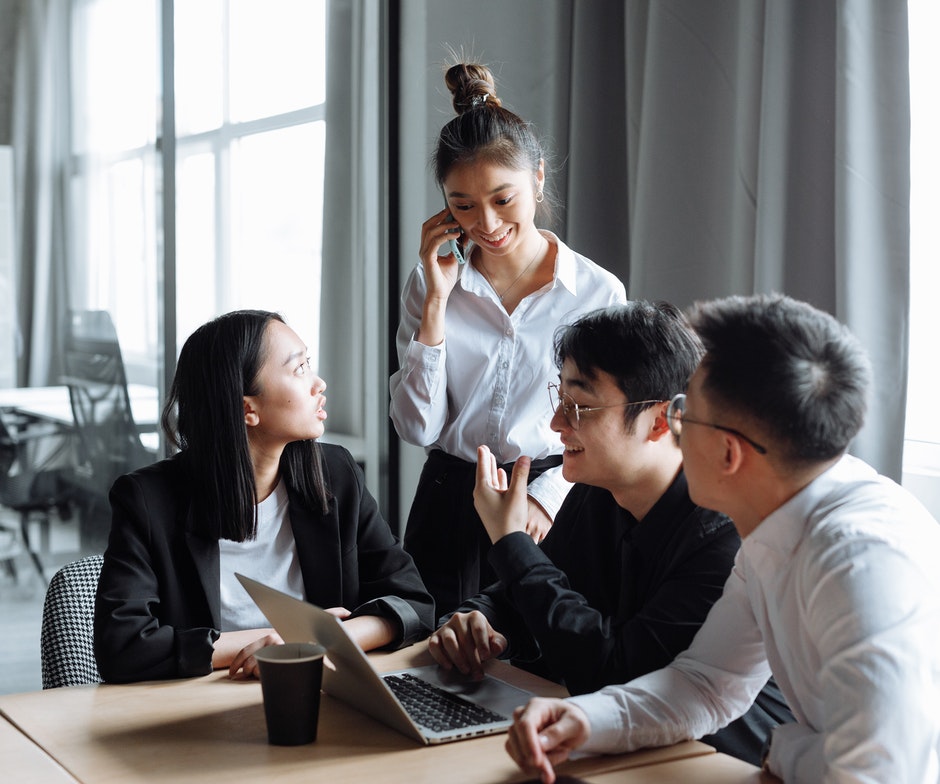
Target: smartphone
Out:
[458,253]
[455,247]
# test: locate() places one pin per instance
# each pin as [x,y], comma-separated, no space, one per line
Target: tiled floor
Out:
[20,616]
[21,599]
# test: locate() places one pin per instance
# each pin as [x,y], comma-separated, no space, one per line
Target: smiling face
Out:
[290,406]
[495,206]
[602,452]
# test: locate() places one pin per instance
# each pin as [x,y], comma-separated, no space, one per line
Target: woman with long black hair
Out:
[251,491]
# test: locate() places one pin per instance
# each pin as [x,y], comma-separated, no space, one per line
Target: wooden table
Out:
[704,769]
[212,729]
[25,762]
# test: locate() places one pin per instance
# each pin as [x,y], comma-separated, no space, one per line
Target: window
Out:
[114,185]
[922,432]
[249,96]
[250,91]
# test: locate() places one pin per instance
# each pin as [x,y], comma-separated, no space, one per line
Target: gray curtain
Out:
[353,317]
[42,147]
[757,146]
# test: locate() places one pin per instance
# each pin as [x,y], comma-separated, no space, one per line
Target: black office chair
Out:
[66,637]
[32,474]
[108,439]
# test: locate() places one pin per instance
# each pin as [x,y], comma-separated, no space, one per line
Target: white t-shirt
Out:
[270,558]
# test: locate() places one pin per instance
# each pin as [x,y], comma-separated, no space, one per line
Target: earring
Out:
[539,197]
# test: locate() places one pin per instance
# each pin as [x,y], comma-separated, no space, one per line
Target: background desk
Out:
[212,730]
[53,405]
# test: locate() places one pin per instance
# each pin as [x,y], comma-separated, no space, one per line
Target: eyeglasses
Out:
[573,412]
[675,416]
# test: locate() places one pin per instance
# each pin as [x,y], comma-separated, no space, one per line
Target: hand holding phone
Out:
[455,248]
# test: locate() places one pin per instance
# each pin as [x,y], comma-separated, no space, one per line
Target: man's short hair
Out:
[647,347]
[790,368]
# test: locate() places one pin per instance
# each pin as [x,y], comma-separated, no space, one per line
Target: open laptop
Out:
[468,708]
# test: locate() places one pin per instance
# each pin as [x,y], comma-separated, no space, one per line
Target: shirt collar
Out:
[785,527]
[672,507]
[472,280]
[566,271]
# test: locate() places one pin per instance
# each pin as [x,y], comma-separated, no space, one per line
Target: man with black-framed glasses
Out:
[631,565]
[835,590]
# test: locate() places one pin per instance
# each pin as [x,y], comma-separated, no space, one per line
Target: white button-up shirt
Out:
[486,383]
[837,592]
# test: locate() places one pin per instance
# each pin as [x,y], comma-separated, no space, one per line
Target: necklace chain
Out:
[506,290]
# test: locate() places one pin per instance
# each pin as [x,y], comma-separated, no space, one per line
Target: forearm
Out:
[418,394]
[544,617]
[230,643]
[371,631]
[430,330]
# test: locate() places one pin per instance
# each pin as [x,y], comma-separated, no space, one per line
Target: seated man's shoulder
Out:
[713,524]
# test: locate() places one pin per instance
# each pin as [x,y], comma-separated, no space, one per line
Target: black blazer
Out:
[158,605]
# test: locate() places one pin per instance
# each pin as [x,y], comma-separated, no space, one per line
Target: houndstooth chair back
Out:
[67,636]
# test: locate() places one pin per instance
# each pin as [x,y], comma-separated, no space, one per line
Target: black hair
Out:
[204,417]
[485,131]
[791,369]
[648,348]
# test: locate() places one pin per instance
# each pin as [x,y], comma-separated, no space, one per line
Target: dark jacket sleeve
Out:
[493,602]
[587,648]
[152,619]
[379,577]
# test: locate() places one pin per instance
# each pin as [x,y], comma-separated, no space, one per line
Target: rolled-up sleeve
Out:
[550,489]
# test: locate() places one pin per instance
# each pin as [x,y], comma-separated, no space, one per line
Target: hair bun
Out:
[472,86]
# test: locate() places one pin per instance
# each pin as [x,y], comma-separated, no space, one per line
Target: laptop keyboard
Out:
[435,708]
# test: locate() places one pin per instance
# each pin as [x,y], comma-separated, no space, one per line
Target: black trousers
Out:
[445,535]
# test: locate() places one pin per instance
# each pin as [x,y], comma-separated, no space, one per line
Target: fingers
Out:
[503,506]
[543,734]
[435,231]
[484,477]
[466,641]
[524,745]
[244,665]
[340,612]
[520,475]
[489,474]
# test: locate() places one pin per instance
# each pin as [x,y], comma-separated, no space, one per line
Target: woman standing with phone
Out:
[475,339]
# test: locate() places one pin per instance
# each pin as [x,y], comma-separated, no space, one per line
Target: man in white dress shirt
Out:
[836,587]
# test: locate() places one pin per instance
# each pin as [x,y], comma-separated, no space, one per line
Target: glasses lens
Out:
[569,408]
